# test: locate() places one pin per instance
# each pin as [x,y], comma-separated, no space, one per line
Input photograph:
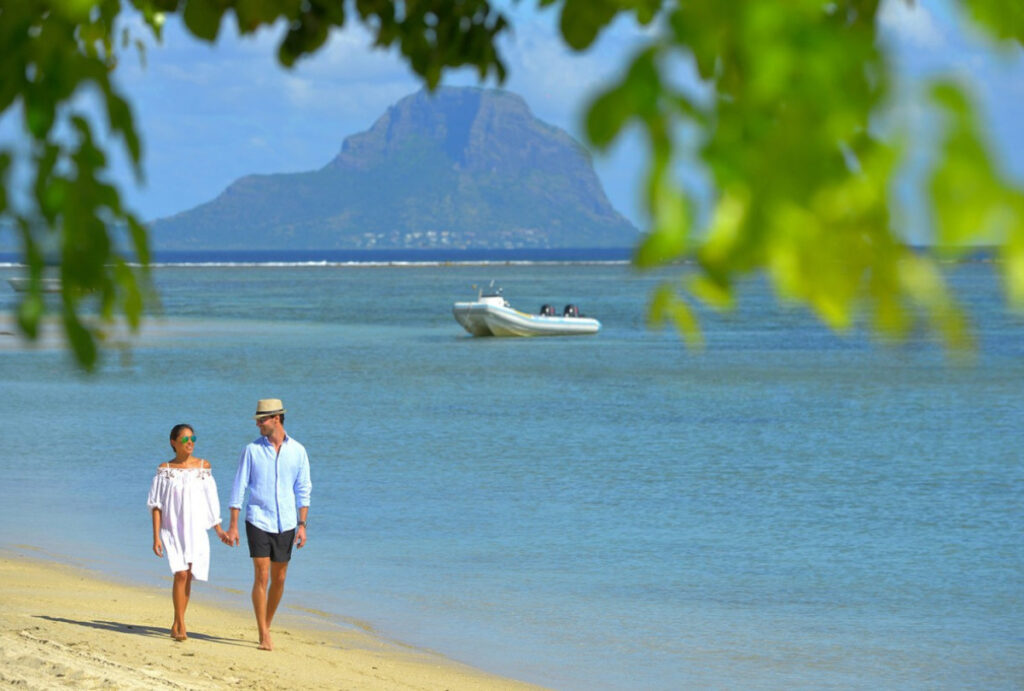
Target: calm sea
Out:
[787,508]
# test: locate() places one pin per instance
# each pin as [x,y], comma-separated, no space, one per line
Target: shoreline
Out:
[63,625]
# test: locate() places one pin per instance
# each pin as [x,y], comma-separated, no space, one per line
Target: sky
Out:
[212,113]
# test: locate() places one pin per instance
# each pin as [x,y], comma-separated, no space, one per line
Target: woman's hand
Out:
[158,548]
[222,534]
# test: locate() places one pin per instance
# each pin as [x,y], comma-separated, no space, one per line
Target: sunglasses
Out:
[185,440]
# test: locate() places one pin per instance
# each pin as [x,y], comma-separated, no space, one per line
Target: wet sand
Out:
[64,626]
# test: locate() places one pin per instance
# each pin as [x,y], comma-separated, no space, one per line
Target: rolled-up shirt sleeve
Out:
[241,480]
[303,485]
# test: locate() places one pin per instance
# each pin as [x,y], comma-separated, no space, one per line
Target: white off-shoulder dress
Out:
[189,507]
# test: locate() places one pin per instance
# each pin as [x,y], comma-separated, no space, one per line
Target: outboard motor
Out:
[571,311]
[547,310]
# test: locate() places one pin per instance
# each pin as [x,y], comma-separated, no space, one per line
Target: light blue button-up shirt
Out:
[278,484]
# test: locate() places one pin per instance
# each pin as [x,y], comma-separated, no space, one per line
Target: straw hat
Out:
[267,407]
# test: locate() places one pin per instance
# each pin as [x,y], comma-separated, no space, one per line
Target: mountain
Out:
[460,168]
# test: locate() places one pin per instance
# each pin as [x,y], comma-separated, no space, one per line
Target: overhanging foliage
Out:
[803,185]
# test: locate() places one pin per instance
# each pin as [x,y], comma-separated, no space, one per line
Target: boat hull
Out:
[484,319]
[22,284]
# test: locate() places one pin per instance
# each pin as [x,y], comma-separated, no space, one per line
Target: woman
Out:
[184,504]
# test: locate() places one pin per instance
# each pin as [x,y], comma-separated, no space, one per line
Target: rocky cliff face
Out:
[461,167]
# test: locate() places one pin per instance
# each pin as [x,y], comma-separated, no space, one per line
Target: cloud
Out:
[211,113]
[934,39]
[556,81]
[910,25]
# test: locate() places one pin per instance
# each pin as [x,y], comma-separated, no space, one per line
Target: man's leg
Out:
[278,571]
[261,576]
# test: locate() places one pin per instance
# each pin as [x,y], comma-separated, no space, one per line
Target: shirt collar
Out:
[266,442]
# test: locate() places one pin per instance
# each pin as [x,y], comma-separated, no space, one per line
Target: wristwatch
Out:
[302,523]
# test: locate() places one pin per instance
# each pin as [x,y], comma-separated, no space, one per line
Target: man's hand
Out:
[300,536]
[231,536]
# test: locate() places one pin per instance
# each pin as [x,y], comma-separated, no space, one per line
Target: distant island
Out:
[459,168]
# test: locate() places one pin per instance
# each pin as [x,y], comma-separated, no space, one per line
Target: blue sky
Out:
[210,114]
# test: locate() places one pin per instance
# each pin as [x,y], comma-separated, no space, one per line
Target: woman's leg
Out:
[180,593]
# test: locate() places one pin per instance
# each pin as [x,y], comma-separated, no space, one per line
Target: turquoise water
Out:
[785,509]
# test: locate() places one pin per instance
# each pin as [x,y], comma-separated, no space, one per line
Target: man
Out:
[274,470]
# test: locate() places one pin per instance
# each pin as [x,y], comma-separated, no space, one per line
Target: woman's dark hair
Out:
[177,429]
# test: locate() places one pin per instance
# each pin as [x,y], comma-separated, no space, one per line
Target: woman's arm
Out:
[214,504]
[158,547]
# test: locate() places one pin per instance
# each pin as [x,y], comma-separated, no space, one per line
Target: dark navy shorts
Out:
[277,546]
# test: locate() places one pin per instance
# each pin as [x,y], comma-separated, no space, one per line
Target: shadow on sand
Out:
[139,630]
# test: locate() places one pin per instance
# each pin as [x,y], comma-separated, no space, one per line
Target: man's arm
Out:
[303,488]
[238,495]
[300,531]
[232,532]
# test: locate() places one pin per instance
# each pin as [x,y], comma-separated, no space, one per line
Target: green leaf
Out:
[671,224]
[119,115]
[81,339]
[1003,18]
[252,14]
[154,18]
[647,10]
[582,20]
[782,127]
[637,96]
[725,235]
[5,165]
[31,310]
[667,305]
[309,30]
[973,203]
[39,118]
[202,18]
[606,117]
[1013,261]
[923,281]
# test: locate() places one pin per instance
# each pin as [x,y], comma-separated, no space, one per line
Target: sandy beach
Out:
[64,626]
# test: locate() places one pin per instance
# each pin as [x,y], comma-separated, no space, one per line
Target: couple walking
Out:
[274,472]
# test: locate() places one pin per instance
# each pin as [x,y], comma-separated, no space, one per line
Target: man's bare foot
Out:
[266,642]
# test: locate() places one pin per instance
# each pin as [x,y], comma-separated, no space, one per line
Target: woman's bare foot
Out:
[178,632]
[266,642]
